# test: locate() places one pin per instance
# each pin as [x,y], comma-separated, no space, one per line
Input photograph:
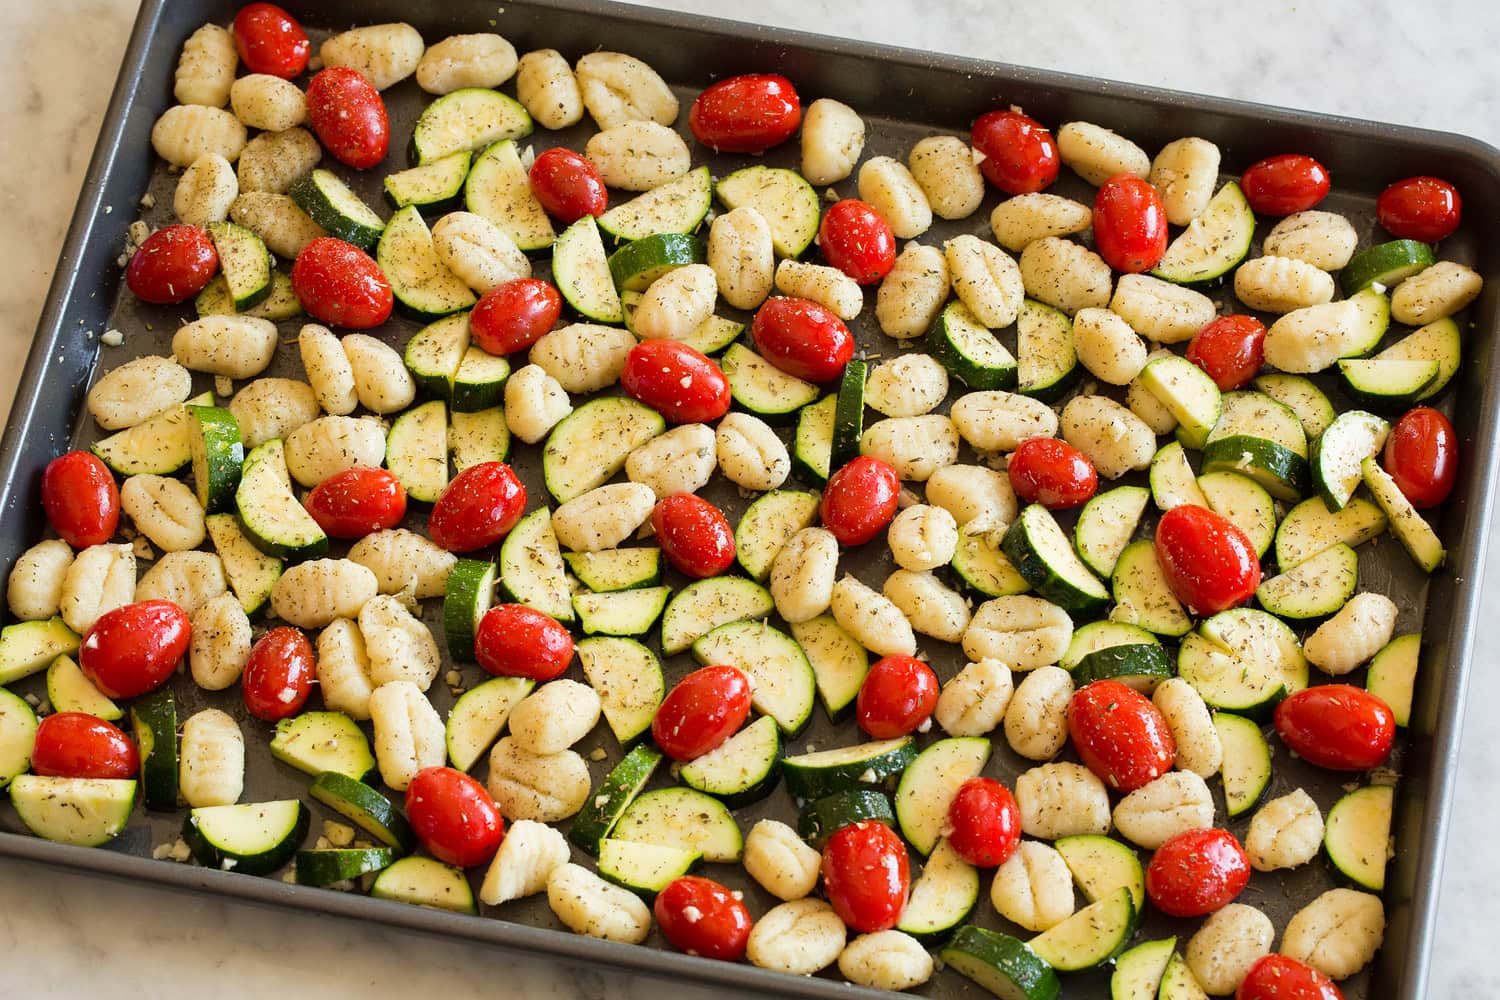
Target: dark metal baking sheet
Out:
[903,95]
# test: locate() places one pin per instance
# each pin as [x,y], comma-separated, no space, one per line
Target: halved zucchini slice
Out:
[1358,835]
[970,352]
[601,812]
[741,770]
[789,204]
[532,571]
[839,662]
[929,784]
[628,679]
[1213,243]
[1106,524]
[1352,437]
[1102,866]
[1142,596]
[1393,674]
[942,897]
[478,716]
[467,119]
[704,605]
[1440,342]
[768,392]
[432,185]
[678,206]
[1043,554]
[333,205]
[1415,534]
[768,524]
[1310,527]
[781,680]
[1386,265]
[425,882]
[420,281]
[1245,503]
[85,812]
[273,520]
[1187,393]
[1312,589]
[1047,363]
[590,445]
[253,838]
[1389,383]
[416,450]
[499,188]
[1090,937]
[685,819]
[1300,396]
[1001,964]
[820,773]
[1246,769]
[1243,660]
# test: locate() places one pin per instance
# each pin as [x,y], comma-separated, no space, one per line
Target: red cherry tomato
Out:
[860,500]
[1421,455]
[746,114]
[1208,562]
[1230,349]
[896,697]
[1020,155]
[512,316]
[1420,208]
[478,508]
[856,240]
[1052,473]
[701,917]
[1120,735]
[270,40]
[79,745]
[348,115]
[1278,977]
[279,674]
[682,384]
[866,876]
[337,283]
[357,502]
[694,535]
[516,641]
[134,649]
[1130,224]
[568,185]
[80,499]
[986,823]
[1281,185]
[453,816]
[802,338]
[172,265]
[1197,872]
[1337,726]
[701,711]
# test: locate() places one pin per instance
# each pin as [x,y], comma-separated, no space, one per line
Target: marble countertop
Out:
[65,935]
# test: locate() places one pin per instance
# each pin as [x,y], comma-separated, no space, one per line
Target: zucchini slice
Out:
[85,812]
[1213,243]
[1188,394]
[839,662]
[532,571]
[478,716]
[334,206]
[644,869]
[1244,503]
[822,818]
[1243,660]
[848,415]
[620,612]
[1390,383]
[685,819]
[1385,265]
[218,456]
[929,784]
[767,391]
[874,765]
[153,720]
[1310,527]
[1352,437]
[1179,983]
[434,353]
[316,742]
[281,303]
[416,450]
[69,690]
[1116,651]
[581,270]
[1358,835]
[270,515]
[159,446]
[942,897]
[425,882]
[1261,439]
[1440,342]
[1312,589]
[422,284]
[704,605]
[1090,937]
[1392,675]
[253,838]
[244,263]
[1172,481]
[481,436]
[1247,762]
[590,445]
[1139,971]
[781,679]
[252,574]
[616,569]
[981,565]
[365,808]
[1142,596]
[434,185]
[768,524]
[789,204]
[1047,363]
[29,647]
[970,352]
[1043,554]
[1106,524]
[18,724]
[1102,866]
[1414,533]
[467,119]
[636,265]
[468,595]
[812,445]
[479,383]
[1299,395]
[741,770]
[499,188]
[326,866]
[678,206]
[1001,964]
[601,812]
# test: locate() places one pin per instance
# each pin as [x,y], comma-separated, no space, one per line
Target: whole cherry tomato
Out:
[172,265]
[514,640]
[279,674]
[746,114]
[1282,185]
[866,876]
[348,115]
[1020,155]
[270,40]
[986,823]
[802,338]
[1208,562]
[1120,735]
[80,499]
[79,745]
[1337,726]
[453,816]
[1052,473]
[856,240]
[701,917]
[568,185]
[859,500]
[512,316]
[1420,208]
[1421,455]
[478,508]
[701,711]
[357,502]
[694,535]
[1197,872]
[337,283]
[896,697]
[1230,349]
[134,649]
[682,384]
[1130,224]
[1279,977]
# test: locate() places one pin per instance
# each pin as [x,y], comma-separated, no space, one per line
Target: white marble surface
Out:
[63,935]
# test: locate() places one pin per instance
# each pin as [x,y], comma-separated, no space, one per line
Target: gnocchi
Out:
[220,644]
[742,256]
[458,61]
[750,454]
[274,162]
[99,579]
[205,191]
[137,391]
[1357,632]
[922,537]
[930,606]
[398,645]
[329,372]
[1062,800]
[680,461]
[327,446]
[618,88]
[380,376]
[534,403]
[915,447]
[677,303]
[872,619]
[205,69]
[1285,832]
[1310,339]
[544,788]
[973,493]
[1021,631]
[408,733]
[985,279]
[1020,221]
[236,346]
[1227,945]
[1159,310]
[833,136]
[603,517]
[34,589]
[1036,717]
[273,408]
[344,669]
[912,294]
[211,765]
[1338,933]
[886,960]
[1033,888]
[1281,284]
[385,54]
[974,702]
[1064,274]
[891,190]
[312,594]
[1174,803]
[1107,347]
[1096,154]
[995,420]
[268,102]
[165,510]
[554,717]
[187,131]
[1326,240]
[801,937]
[403,560]
[1114,439]
[1438,292]
[187,579]
[586,904]
[638,155]
[477,251]
[528,855]
[1184,173]
[583,357]
[277,220]
[548,90]
[803,575]
[1192,727]
[827,286]
[944,167]
[907,386]
[782,862]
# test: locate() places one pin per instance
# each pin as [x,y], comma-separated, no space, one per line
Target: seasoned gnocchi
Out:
[380,377]
[385,54]
[886,960]
[165,510]
[1034,888]
[1114,439]
[680,461]
[750,454]
[554,717]
[236,346]
[478,251]
[408,733]
[100,578]
[458,61]
[1036,717]
[1227,945]
[742,257]
[1281,284]
[1096,154]
[534,403]
[1062,800]
[915,447]
[205,191]
[273,162]
[187,579]
[907,386]
[994,420]
[273,408]
[1184,174]
[1326,240]
[782,862]
[404,561]
[212,760]
[1107,347]
[801,936]
[1065,275]
[220,644]
[985,279]
[268,102]
[827,286]
[548,90]
[943,166]
[398,645]
[1020,221]
[974,702]
[1198,746]
[1285,832]
[344,669]
[528,855]
[312,594]
[872,619]
[833,136]
[929,605]
[1360,629]
[912,294]
[922,537]
[1438,292]
[1159,310]
[205,70]
[188,131]
[618,88]
[638,155]
[1338,933]
[973,493]
[544,788]
[588,905]
[34,589]
[583,357]
[894,194]
[1174,803]
[276,219]
[327,446]
[603,517]
[329,372]
[803,575]
[677,303]
[1021,631]
[137,391]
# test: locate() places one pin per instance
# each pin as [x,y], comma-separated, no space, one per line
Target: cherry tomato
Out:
[866,876]
[1282,185]
[701,917]
[694,535]
[172,265]
[1337,726]
[478,508]
[1130,224]
[986,823]
[1120,735]
[860,500]
[79,745]
[1020,155]
[682,384]
[80,499]
[512,316]
[453,816]
[1052,473]
[134,649]
[1278,977]
[357,502]
[1197,872]
[1421,455]
[802,338]
[514,640]
[856,240]
[746,114]
[1208,562]
[348,115]
[568,185]
[1230,349]
[279,674]
[337,283]
[270,40]
[1420,208]
[701,711]
[896,697]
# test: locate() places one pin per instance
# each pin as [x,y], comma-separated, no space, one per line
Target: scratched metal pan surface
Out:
[904,95]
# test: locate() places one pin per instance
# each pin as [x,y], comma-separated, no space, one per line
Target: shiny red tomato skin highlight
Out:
[1337,726]
[856,240]
[478,508]
[802,338]
[746,114]
[1280,977]
[701,711]
[1120,735]
[859,500]
[80,499]
[681,383]
[1051,472]
[1020,155]
[568,185]
[514,640]
[1197,872]
[348,115]
[866,876]
[357,502]
[986,823]
[134,649]
[1282,185]
[1420,208]
[1421,455]
[701,917]
[1208,562]
[279,675]
[897,696]
[453,816]
[79,745]
[512,316]
[339,284]
[173,265]
[271,41]
[1130,224]
[694,535]
[1230,349]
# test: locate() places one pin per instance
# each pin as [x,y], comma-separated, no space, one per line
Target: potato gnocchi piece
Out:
[586,904]
[205,191]
[603,517]
[994,420]
[187,579]
[742,257]
[750,454]
[1281,284]
[403,560]
[944,168]
[782,862]
[399,646]
[1198,746]
[1156,812]
[1159,310]
[973,493]
[344,669]
[329,372]
[548,90]
[34,589]
[985,279]
[801,936]
[274,162]
[236,346]
[912,294]
[329,445]
[1360,629]
[458,61]
[528,855]
[907,386]
[1185,173]
[220,645]
[165,510]
[583,357]
[1096,154]
[1064,274]
[833,136]
[545,788]
[930,606]
[185,132]
[1062,800]
[1308,340]
[554,717]
[1439,291]
[915,447]
[1034,888]
[1227,945]
[268,102]
[477,251]
[1285,832]
[680,461]
[638,155]
[1020,221]
[1107,346]
[1114,439]
[211,769]
[274,408]
[408,733]
[827,286]
[974,702]
[803,575]
[277,220]
[1338,933]
[380,376]
[891,190]
[534,403]
[385,54]
[1326,240]
[1022,631]
[205,69]
[137,391]
[618,88]
[1036,719]
[677,303]
[886,960]
[99,579]
[922,537]
[312,594]
[872,619]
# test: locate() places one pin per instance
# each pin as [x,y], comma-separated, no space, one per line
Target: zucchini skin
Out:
[1033,567]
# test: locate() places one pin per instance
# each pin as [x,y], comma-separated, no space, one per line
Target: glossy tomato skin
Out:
[79,745]
[453,816]
[80,499]
[357,502]
[860,500]
[1020,155]
[1208,562]
[1421,455]
[173,265]
[1130,224]
[856,240]
[134,649]
[986,823]
[1197,872]
[701,711]
[279,675]
[339,284]
[1052,473]
[270,40]
[1282,185]
[1337,726]
[682,384]
[512,316]
[348,115]
[746,114]
[896,697]
[701,917]
[694,535]
[1230,350]
[514,640]
[1120,735]
[568,185]
[866,876]
[802,338]
[478,508]
[1420,208]
[1280,977]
